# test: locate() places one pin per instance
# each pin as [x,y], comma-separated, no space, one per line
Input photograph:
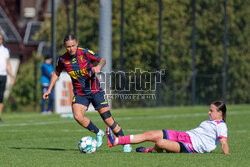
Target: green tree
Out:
[141,45]
[23,92]
[238,52]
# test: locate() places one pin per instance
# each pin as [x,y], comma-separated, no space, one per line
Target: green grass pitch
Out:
[30,139]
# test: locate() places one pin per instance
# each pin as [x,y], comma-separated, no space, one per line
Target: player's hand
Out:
[46,95]
[12,80]
[96,70]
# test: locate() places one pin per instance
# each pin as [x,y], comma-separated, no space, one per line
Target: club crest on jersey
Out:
[78,73]
[81,57]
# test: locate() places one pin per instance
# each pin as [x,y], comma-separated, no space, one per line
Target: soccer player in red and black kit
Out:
[78,63]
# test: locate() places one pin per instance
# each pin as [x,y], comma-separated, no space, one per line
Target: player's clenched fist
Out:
[46,95]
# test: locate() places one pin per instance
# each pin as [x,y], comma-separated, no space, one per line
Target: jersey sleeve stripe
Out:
[222,137]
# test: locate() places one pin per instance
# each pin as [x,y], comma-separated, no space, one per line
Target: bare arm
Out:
[102,62]
[53,80]
[9,71]
[224,145]
[97,68]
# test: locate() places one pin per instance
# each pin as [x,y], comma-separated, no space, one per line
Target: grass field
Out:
[30,139]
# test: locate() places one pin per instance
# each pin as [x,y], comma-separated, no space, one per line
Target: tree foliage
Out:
[141,44]
[27,89]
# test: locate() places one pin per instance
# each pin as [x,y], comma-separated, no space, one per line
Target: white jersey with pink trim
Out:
[207,136]
[4,55]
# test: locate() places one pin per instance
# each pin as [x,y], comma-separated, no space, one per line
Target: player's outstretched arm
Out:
[53,80]
[224,145]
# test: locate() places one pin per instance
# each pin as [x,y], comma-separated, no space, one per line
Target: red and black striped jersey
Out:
[79,68]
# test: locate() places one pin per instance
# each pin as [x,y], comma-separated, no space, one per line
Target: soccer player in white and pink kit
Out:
[202,139]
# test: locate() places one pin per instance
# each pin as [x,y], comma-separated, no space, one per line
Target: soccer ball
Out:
[87,145]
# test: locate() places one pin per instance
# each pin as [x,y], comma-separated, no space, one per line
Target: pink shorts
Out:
[182,137]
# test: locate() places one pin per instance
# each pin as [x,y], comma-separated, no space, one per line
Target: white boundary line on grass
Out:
[179,115]
[123,118]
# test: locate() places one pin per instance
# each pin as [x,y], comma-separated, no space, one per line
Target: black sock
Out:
[120,133]
[91,127]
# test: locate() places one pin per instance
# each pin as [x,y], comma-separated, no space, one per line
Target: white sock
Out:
[116,140]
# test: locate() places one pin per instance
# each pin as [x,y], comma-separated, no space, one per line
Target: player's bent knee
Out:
[78,116]
[150,136]
[103,109]
[160,143]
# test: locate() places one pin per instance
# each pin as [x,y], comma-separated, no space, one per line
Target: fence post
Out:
[224,68]
[159,51]
[193,74]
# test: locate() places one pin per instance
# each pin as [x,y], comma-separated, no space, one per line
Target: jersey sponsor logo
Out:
[78,73]
[74,60]
[67,62]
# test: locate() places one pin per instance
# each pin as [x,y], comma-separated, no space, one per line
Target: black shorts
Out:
[98,100]
[182,147]
[3,80]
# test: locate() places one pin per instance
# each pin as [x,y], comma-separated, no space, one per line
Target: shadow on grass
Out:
[38,148]
[52,149]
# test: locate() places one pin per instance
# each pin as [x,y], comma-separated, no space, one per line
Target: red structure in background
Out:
[19,19]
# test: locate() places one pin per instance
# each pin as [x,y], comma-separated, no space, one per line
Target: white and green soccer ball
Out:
[87,145]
